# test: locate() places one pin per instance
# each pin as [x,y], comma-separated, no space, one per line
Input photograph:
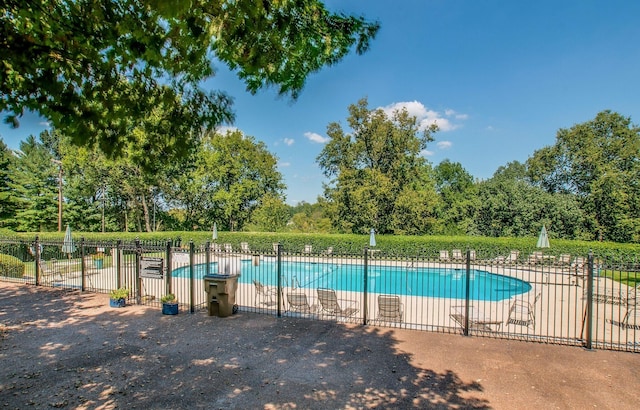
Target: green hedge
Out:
[11,266]
[424,246]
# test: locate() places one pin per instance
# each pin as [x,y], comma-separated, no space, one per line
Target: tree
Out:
[310,218]
[35,182]
[458,193]
[598,162]
[271,215]
[230,176]
[7,204]
[507,205]
[373,170]
[97,69]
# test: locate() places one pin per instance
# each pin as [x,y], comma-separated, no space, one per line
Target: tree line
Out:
[585,186]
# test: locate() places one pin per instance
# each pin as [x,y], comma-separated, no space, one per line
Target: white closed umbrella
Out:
[68,246]
[214,236]
[543,239]
[372,238]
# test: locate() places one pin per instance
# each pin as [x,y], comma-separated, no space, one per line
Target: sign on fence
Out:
[151,268]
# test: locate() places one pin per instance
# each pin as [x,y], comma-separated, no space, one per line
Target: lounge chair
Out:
[535,258]
[564,259]
[390,308]
[244,247]
[298,302]
[330,305]
[522,313]
[307,249]
[631,319]
[456,254]
[477,319]
[50,270]
[444,256]
[329,250]
[472,254]
[228,247]
[578,269]
[513,257]
[215,247]
[264,295]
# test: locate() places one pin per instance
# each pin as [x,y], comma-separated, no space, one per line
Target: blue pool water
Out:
[442,283]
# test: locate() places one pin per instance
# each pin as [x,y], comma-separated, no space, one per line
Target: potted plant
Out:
[169,304]
[117,297]
[98,260]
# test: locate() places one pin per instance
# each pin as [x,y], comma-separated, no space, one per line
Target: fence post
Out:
[467,294]
[279,278]
[137,270]
[83,268]
[365,303]
[119,264]
[589,300]
[38,256]
[207,258]
[167,278]
[191,277]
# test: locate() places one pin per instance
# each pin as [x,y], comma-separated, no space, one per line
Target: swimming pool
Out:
[432,282]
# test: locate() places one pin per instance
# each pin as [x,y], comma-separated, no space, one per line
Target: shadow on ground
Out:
[63,349]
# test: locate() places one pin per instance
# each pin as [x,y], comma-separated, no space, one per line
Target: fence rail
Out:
[583,300]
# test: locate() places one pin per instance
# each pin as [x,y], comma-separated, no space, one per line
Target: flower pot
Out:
[98,263]
[169,308]
[117,303]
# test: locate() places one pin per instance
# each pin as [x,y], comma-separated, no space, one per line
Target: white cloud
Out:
[444,144]
[289,141]
[223,129]
[426,117]
[284,164]
[426,153]
[317,138]
[44,124]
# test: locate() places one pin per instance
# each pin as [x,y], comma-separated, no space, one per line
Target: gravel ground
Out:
[70,350]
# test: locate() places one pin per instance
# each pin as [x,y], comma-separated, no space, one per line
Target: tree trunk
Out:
[145,212]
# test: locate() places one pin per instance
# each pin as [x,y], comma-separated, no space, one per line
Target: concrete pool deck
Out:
[70,350]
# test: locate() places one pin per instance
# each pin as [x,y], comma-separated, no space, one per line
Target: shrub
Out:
[11,266]
[117,294]
[168,298]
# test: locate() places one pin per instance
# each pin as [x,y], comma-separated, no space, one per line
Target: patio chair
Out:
[299,303]
[330,305]
[472,254]
[535,258]
[328,251]
[522,313]
[564,259]
[307,249]
[50,270]
[215,247]
[477,319]
[444,256]
[228,247]
[264,295]
[578,269]
[513,257]
[390,308]
[631,319]
[244,247]
[456,254]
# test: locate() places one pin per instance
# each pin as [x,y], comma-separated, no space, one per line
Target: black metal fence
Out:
[583,300]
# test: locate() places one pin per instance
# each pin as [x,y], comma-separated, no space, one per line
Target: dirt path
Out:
[70,350]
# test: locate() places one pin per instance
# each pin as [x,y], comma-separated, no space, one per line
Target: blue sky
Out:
[499,78]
